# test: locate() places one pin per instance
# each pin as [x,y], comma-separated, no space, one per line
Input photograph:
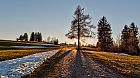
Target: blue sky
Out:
[53,17]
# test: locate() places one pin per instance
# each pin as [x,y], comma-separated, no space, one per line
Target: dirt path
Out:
[78,65]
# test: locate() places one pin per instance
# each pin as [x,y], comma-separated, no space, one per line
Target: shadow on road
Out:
[48,66]
[67,52]
[78,70]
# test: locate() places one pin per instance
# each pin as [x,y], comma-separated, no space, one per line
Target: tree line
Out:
[53,40]
[37,37]
[23,37]
[81,28]
[129,39]
[128,42]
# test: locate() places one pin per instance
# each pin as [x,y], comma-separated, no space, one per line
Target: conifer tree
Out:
[124,38]
[104,34]
[32,37]
[133,39]
[129,39]
[25,36]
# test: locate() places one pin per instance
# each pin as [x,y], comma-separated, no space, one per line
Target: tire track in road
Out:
[78,65]
[97,70]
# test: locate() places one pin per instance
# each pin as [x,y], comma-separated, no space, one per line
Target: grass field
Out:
[7,52]
[126,65]
[14,43]
[12,54]
[5,44]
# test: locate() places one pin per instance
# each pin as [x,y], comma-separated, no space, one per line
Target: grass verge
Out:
[129,66]
[15,43]
[47,68]
[17,53]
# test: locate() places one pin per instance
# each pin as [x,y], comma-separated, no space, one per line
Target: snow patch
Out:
[28,46]
[16,68]
[121,54]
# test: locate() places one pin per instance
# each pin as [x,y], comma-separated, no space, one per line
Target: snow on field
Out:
[122,54]
[39,46]
[45,44]
[28,47]
[16,68]
[125,54]
[49,45]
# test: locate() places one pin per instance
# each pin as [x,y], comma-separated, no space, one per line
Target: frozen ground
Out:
[122,54]
[46,44]
[16,68]
[39,46]
[28,47]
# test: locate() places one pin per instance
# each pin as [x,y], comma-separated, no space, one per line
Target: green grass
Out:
[126,65]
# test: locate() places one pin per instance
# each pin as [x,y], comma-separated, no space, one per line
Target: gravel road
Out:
[78,65]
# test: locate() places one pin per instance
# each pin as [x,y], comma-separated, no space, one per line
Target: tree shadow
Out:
[48,66]
[78,70]
[66,53]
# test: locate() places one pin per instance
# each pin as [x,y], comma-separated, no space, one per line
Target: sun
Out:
[76,40]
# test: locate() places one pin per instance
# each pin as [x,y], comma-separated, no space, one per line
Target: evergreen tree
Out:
[21,38]
[32,37]
[124,38]
[134,35]
[39,37]
[125,33]
[134,28]
[133,39]
[129,39]
[56,41]
[25,36]
[36,37]
[104,35]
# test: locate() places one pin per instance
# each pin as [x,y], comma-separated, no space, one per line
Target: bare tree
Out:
[139,40]
[48,39]
[118,42]
[80,26]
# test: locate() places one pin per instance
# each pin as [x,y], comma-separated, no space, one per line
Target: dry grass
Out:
[47,68]
[12,54]
[126,65]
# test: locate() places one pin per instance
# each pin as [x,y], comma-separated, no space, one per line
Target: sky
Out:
[53,17]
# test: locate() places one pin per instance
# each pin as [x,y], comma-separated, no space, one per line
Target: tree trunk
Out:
[78,34]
